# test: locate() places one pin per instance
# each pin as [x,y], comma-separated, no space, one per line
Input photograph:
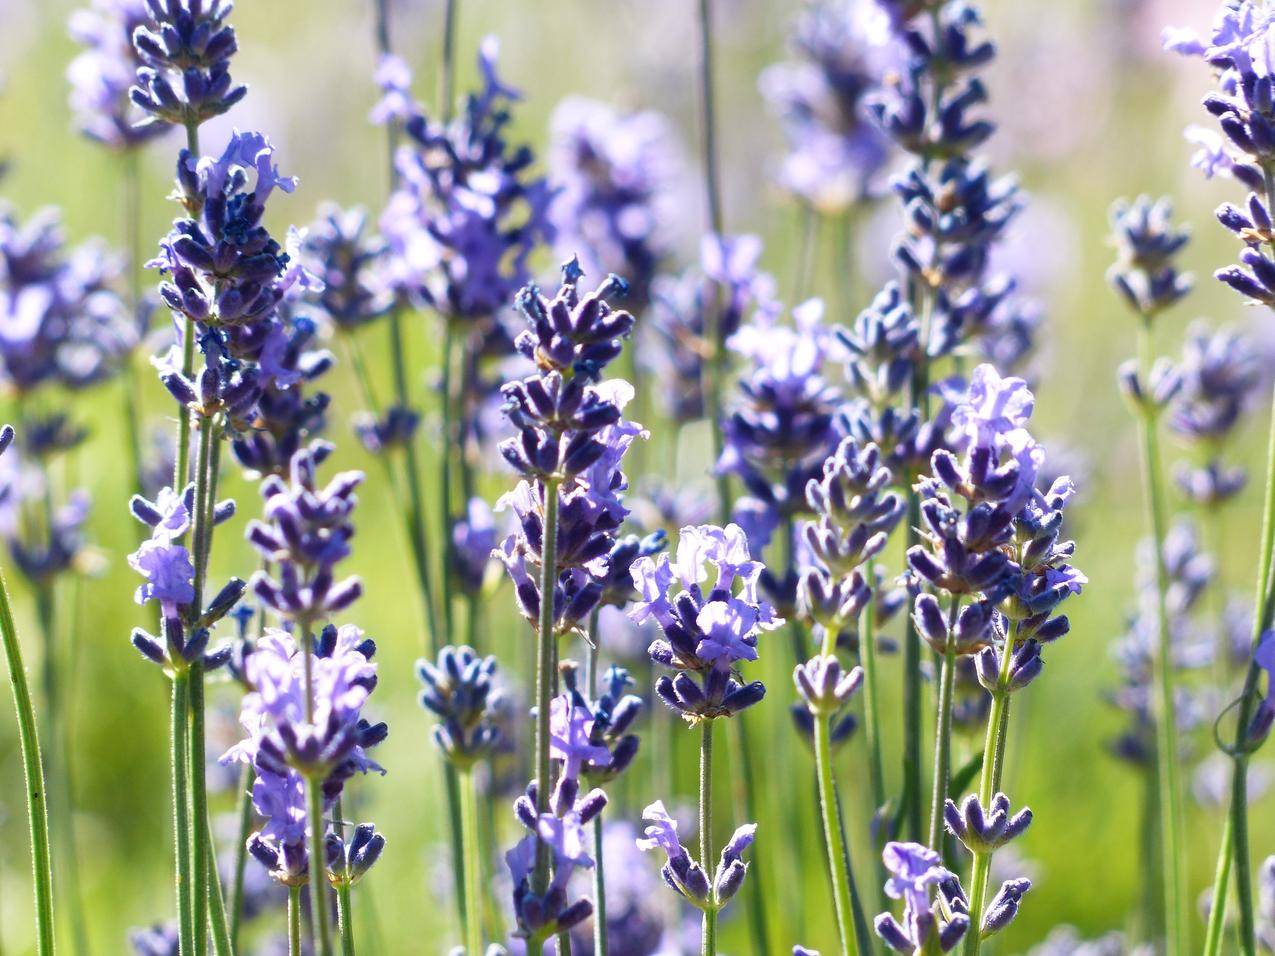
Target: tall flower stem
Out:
[545,655]
[989,784]
[181,465]
[294,921]
[447,64]
[33,772]
[599,876]
[708,928]
[58,758]
[181,810]
[345,918]
[473,850]
[871,698]
[217,920]
[943,730]
[446,458]
[246,779]
[318,887]
[852,925]
[1235,832]
[1165,706]
[132,228]
[911,798]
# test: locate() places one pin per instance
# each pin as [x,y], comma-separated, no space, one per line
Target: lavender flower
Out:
[985,829]
[783,427]
[562,832]
[705,634]
[571,442]
[1147,245]
[467,212]
[63,321]
[351,264]
[459,690]
[916,871]
[103,73]
[186,48]
[158,940]
[594,734]
[349,861]
[613,174]
[835,153]
[1219,377]
[306,533]
[689,878]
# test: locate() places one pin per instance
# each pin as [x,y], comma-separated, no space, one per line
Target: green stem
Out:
[708,928]
[871,698]
[446,455]
[181,467]
[851,923]
[246,779]
[912,700]
[1237,821]
[989,784]
[294,921]
[1221,880]
[318,883]
[383,47]
[447,66]
[33,772]
[755,888]
[545,652]
[201,858]
[345,919]
[943,730]
[216,900]
[181,810]
[1165,706]
[472,844]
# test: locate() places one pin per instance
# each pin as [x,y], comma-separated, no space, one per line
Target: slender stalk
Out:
[318,885]
[708,927]
[871,698]
[246,779]
[201,858]
[1221,881]
[1165,705]
[599,875]
[181,468]
[181,811]
[58,758]
[473,850]
[943,731]
[445,460]
[345,919]
[294,921]
[447,66]
[545,653]
[755,889]
[912,699]
[852,926]
[989,783]
[33,773]
[216,900]
[383,47]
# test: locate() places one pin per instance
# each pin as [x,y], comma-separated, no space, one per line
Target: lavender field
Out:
[684,477]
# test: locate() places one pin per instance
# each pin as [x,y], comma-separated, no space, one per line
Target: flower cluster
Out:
[1147,246]
[835,153]
[561,833]
[593,735]
[351,264]
[305,533]
[459,690]
[705,635]
[64,323]
[1220,374]
[102,75]
[570,444]
[467,211]
[304,721]
[169,574]
[185,48]
[784,423]
[688,877]
[726,285]
[612,174]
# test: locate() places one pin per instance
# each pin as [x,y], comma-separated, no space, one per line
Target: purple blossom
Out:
[185,48]
[103,73]
[571,736]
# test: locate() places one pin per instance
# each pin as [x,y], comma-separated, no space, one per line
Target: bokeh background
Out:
[1090,110]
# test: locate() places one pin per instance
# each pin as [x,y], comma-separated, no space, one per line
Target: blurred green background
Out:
[1090,110]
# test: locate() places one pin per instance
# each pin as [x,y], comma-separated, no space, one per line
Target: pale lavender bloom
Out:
[103,73]
[914,869]
[570,733]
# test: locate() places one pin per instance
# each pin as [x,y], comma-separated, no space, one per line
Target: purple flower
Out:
[913,869]
[467,212]
[459,690]
[613,174]
[102,74]
[571,736]
[185,47]
[992,407]
[351,264]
